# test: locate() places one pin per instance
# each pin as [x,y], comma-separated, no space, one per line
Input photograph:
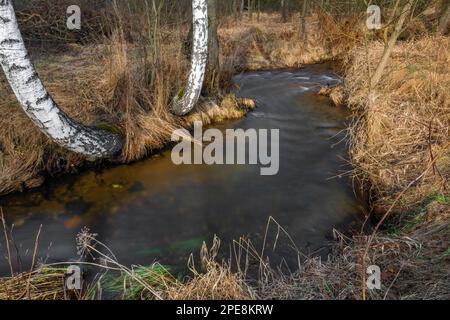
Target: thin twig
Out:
[36,244]
[7,243]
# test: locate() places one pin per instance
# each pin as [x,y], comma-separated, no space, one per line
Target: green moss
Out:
[446,253]
[418,216]
[442,199]
[416,220]
[180,93]
[108,127]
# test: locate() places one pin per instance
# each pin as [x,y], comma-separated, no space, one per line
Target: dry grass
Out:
[402,127]
[42,284]
[410,256]
[336,94]
[399,147]
[24,151]
[411,264]
[399,132]
[269,43]
[216,281]
[118,85]
[113,85]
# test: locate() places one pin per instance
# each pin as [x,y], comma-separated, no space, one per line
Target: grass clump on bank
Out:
[402,129]
[125,286]
[45,283]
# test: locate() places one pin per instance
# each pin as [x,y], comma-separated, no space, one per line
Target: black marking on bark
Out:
[9,41]
[79,138]
[4,20]
[15,67]
[27,106]
[33,78]
[43,99]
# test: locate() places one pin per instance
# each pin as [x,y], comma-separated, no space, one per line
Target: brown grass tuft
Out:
[43,284]
[411,265]
[402,126]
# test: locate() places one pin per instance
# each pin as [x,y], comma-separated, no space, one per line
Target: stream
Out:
[154,210]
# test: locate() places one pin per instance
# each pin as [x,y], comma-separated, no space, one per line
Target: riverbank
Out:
[399,149]
[102,85]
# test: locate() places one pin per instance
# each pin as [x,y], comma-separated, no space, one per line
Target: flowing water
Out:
[156,211]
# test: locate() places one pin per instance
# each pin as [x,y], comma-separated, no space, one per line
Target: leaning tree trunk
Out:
[186,101]
[37,102]
[406,12]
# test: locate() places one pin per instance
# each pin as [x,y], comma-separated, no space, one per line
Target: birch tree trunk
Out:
[184,103]
[37,102]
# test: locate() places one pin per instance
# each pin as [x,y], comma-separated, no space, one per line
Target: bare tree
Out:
[37,102]
[404,14]
[214,47]
[284,10]
[241,9]
[303,21]
[444,21]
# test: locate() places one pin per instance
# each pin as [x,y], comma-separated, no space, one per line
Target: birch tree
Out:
[186,100]
[38,103]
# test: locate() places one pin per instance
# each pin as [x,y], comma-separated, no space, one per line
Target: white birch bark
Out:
[184,104]
[37,102]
